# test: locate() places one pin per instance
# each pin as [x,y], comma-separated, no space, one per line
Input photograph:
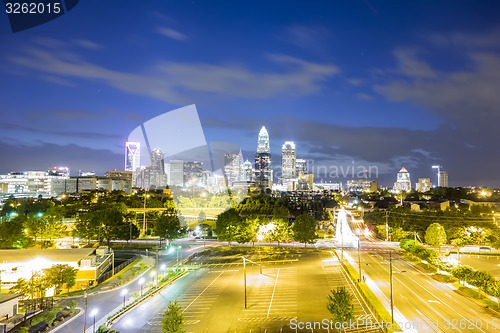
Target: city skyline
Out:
[383,84]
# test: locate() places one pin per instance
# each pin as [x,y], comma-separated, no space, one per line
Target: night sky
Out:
[364,83]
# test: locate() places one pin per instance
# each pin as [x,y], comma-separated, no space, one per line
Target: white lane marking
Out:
[202,292]
[275,283]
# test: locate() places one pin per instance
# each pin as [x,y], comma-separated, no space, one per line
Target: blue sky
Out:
[380,83]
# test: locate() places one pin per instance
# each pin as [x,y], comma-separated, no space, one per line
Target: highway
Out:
[418,297]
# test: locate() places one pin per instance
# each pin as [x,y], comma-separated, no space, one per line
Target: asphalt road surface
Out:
[421,299]
[212,298]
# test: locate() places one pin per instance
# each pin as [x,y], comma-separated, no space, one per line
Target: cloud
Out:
[409,65]
[171,33]
[45,155]
[87,44]
[177,82]
[364,96]
[387,149]
[49,129]
[486,39]
[467,99]
[306,36]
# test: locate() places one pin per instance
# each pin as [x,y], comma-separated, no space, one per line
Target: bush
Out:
[72,305]
[407,244]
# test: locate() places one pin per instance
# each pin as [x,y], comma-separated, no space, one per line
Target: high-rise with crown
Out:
[133,160]
[403,182]
[289,160]
[263,173]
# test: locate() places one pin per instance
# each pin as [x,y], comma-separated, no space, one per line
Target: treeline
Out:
[480,279]
[462,226]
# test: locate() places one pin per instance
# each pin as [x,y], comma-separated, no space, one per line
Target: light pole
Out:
[392,296]
[260,237]
[124,293]
[177,266]
[163,267]
[359,259]
[245,275]
[153,274]
[93,314]
[141,282]
[144,216]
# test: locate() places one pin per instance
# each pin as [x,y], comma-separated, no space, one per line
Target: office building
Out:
[443,179]
[193,173]
[301,166]
[133,160]
[361,185]
[248,172]
[403,182]
[423,185]
[263,173]
[232,168]
[288,160]
[176,176]
[158,178]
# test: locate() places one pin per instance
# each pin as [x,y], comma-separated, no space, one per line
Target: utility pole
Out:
[386,226]
[341,240]
[359,259]
[85,313]
[144,216]
[245,279]
[392,296]
[156,263]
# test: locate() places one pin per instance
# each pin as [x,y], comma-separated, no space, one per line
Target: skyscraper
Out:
[193,173]
[248,171]
[158,176]
[288,160]
[301,166]
[403,182]
[133,160]
[263,160]
[232,168]
[176,177]
[443,179]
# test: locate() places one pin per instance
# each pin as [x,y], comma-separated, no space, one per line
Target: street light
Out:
[124,293]
[141,282]
[93,314]
[260,237]
[153,274]
[163,267]
[177,267]
[144,218]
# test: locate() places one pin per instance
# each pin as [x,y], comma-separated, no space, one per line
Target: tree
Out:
[202,216]
[173,319]
[435,235]
[12,233]
[340,305]
[246,230]
[304,228]
[73,304]
[168,226]
[61,274]
[280,231]
[226,225]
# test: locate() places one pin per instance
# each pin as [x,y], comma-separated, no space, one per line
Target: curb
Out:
[120,313]
[68,321]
